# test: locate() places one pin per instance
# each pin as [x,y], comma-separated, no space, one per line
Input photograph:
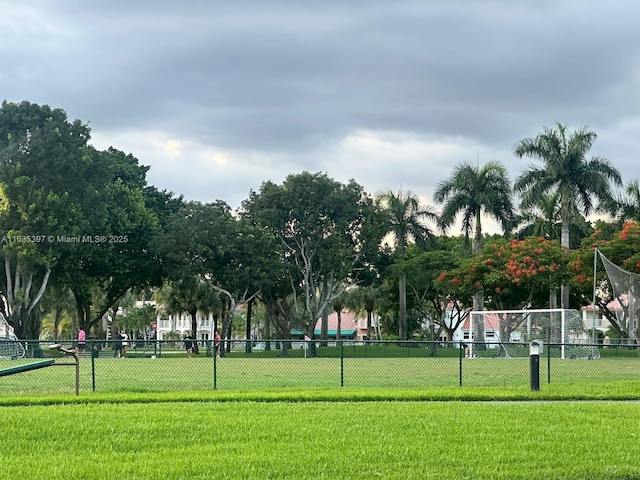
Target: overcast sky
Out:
[219,96]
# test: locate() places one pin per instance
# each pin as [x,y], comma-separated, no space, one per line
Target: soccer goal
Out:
[625,295]
[508,333]
[10,346]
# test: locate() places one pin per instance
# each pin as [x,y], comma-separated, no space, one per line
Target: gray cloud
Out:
[286,86]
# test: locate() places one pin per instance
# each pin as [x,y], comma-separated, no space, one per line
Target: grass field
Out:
[256,373]
[288,418]
[191,438]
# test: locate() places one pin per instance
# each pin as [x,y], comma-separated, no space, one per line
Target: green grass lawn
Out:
[289,418]
[331,440]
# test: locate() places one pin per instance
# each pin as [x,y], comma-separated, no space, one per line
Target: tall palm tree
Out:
[474,191]
[568,173]
[405,216]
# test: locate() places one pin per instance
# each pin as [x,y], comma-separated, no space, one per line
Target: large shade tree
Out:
[322,227]
[406,217]
[426,297]
[45,195]
[126,257]
[567,173]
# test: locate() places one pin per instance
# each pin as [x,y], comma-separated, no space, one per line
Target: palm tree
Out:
[627,207]
[474,191]
[360,300]
[566,173]
[405,216]
[543,220]
[188,295]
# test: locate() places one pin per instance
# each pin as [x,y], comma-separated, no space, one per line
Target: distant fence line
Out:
[157,366]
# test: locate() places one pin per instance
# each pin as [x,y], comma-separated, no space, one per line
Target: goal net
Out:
[10,346]
[625,288]
[508,333]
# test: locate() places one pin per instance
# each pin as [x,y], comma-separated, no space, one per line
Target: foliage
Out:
[426,295]
[406,219]
[567,174]
[43,178]
[543,219]
[323,231]
[627,206]
[124,258]
[621,248]
[473,191]
[296,246]
[514,274]
[139,318]
[189,295]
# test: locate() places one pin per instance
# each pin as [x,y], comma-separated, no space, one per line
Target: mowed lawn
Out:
[322,440]
[245,373]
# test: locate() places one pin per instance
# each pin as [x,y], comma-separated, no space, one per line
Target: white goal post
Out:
[508,333]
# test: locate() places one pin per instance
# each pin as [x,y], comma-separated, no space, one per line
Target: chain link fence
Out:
[152,366]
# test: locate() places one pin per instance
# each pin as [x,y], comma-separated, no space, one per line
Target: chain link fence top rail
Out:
[154,366]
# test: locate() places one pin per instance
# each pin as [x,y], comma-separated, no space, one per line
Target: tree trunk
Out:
[247,347]
[434,342]
[402,319]
[564,241]
[194,332]
[267,328]
[324,328]
[368,306]
[478,296]
[478,324]
[553,297]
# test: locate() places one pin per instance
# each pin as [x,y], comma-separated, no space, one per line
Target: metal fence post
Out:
[342,363]
[93,365]
[215,369]
[460,356]
[549,364]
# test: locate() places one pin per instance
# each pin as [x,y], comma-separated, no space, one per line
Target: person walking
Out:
[81,344]
[188,345]
[117,346]
[125,343]
[217,339]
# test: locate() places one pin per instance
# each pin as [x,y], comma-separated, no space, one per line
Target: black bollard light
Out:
[534,362]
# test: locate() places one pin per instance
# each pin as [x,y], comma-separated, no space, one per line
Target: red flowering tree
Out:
[517,273]
[514,274]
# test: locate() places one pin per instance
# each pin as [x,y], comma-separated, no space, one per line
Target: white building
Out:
[181,324]
[593,317]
